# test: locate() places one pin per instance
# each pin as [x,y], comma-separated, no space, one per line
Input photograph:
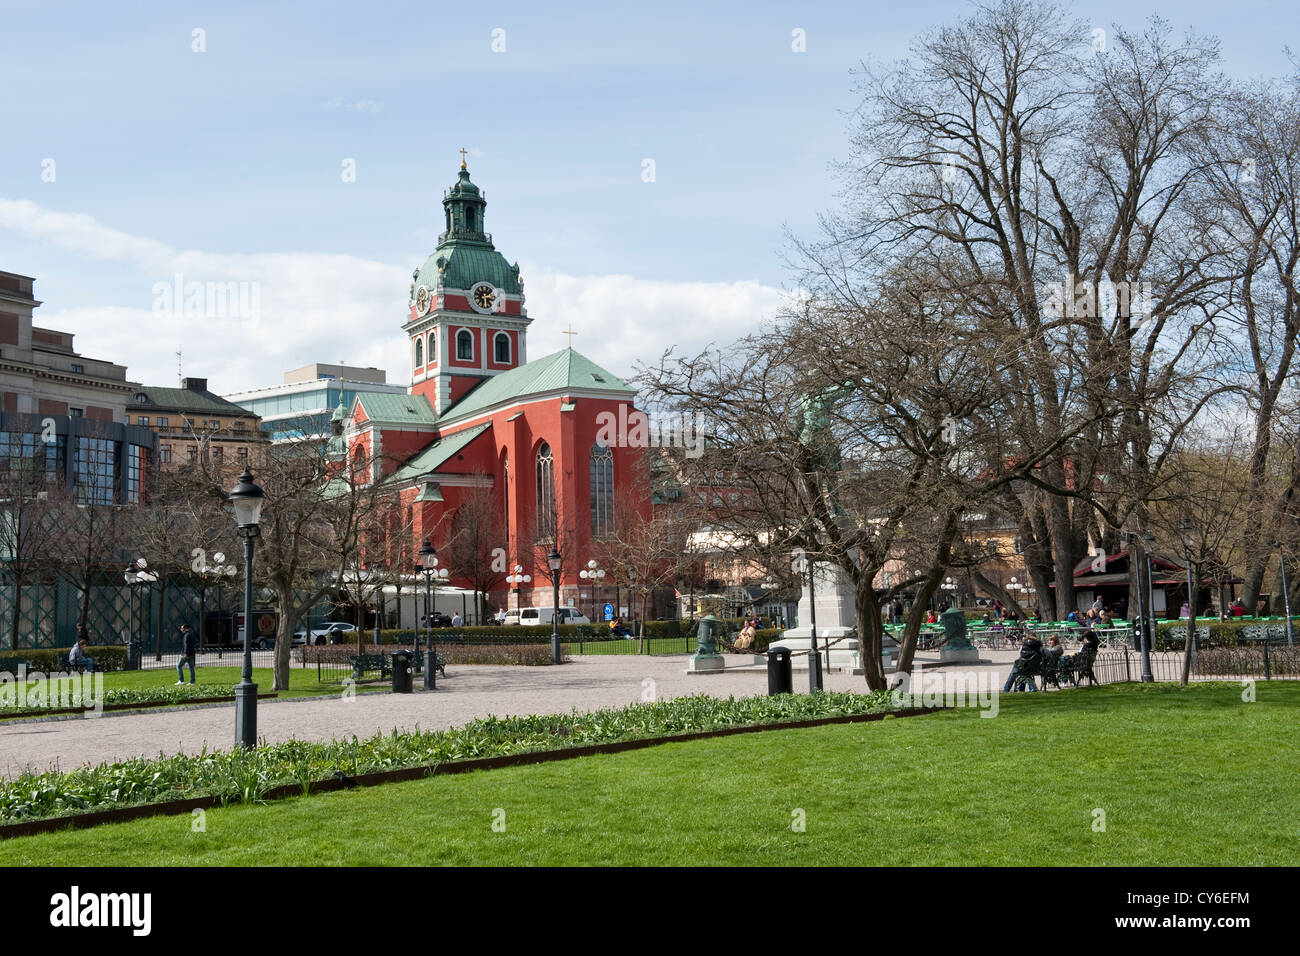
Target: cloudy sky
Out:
[301,151]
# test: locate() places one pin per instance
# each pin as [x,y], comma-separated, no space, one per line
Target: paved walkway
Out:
[466,693]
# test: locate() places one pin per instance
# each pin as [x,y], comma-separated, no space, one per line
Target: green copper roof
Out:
[561,371]
[465,255]
[390,409]
[186,400]
[436,454]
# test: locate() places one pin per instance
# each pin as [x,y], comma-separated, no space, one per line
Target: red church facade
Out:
[484,433]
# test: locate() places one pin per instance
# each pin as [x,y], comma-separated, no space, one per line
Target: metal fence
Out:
[1263,662]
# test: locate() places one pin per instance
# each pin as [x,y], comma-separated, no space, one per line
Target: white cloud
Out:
[315,307]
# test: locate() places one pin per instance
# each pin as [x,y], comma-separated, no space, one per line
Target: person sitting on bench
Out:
[1028,664]
[78,657]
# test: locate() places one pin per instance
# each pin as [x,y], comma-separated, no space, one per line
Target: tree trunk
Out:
[15,611]
[870,633]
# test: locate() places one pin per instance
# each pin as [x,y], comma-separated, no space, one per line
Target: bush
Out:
[534,654]
[50,660]
[1172,635]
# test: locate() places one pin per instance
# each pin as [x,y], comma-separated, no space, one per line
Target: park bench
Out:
[361,663]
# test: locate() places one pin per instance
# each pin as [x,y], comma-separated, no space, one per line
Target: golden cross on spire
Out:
[462,159]
[570,333]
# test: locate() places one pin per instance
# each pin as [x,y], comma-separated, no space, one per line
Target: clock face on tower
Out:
[482,297]
[421,300]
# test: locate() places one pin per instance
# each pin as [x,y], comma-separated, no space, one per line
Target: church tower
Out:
[466,318]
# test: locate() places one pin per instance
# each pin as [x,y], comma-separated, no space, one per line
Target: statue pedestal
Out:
[959,655]
[705,664]
[836,618]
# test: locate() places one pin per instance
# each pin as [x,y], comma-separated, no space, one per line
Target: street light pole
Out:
[247,499]
[428,566]
[554,561]
[1286,598]
[814,662]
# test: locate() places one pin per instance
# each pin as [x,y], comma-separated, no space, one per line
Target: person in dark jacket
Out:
[189,649]
[1030,653]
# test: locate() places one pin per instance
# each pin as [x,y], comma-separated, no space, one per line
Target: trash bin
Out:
[133,655]
[780,680]
[402,672]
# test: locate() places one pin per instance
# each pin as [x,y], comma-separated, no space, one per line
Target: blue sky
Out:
[228,161]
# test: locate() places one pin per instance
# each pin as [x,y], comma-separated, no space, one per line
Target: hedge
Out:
[1172,635]
[50,660]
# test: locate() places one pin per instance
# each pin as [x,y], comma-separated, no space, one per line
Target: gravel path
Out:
[467,692]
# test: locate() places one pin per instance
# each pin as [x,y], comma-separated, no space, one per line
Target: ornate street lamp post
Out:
[429,568]
[595,575]
[247,499]
[554,561]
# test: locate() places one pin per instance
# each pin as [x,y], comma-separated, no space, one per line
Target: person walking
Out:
[189,648]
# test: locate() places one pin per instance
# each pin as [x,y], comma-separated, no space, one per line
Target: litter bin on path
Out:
[780,679]
[402,678]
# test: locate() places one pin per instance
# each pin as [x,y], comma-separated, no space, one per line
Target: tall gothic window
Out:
[602,491]
[419,352]
[501,348]
[464,345]
[545,493]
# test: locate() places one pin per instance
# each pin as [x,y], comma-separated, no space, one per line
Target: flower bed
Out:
[234,776]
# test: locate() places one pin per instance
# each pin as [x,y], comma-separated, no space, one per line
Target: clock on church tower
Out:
[466,318]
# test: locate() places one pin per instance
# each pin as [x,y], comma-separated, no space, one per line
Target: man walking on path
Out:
[189,648]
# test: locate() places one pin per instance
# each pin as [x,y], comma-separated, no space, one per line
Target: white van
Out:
[537,616]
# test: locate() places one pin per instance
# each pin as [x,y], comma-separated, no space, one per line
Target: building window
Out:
[419,352]
[243,454]
[191,453]
[79,369]
[214,425]
[136,455]
[239,425]
[94,470]
[162,423]
[602,491]
[164,453]
[545,493]
[465,345]
[142,420]
[218,454]
[76,412]
[501,348]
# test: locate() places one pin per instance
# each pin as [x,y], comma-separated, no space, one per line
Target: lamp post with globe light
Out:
[595,574]
[429,568]
[554,562]
[247,499]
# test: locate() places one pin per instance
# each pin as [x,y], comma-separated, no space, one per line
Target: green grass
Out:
[654,645]
[218,681]
[1185,776]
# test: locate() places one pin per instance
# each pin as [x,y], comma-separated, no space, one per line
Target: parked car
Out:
[439,620]
[537,616]
[333,632]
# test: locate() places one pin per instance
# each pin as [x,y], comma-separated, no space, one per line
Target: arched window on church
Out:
[465,345]
[602,491]
[501,348]
[419,352]
[545,493]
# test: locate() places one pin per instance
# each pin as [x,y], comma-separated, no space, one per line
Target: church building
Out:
[491,457]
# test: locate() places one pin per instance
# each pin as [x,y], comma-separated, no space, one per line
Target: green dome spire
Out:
[465,254]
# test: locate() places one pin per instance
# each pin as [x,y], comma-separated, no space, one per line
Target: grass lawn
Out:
[1185,776]
[217,681]
[654,645]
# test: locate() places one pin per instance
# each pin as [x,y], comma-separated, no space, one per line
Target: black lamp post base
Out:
[430,670]
[814,671]
[246,714]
